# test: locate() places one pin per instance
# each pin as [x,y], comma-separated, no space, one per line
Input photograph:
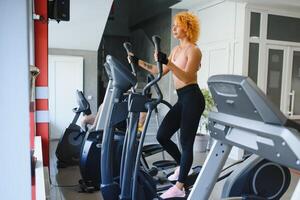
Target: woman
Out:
[183,62]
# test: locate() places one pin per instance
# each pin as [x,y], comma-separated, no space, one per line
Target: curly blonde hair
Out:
[190,23]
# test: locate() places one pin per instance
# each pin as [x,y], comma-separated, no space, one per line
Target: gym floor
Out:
[63,183]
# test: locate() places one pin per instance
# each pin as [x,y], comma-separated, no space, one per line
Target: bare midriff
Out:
[180,60]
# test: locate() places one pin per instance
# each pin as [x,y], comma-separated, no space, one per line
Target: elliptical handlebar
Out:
[128,48]
[156,88]
[156,41]
[83,104]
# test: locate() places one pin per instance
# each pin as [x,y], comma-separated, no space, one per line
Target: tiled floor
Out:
[64,182]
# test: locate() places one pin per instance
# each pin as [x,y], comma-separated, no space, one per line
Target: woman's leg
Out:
[193,106]
[168,127]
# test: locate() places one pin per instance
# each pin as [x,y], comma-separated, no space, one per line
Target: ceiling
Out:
[88,20]
[85,28]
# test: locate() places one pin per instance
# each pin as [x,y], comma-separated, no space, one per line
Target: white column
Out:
[14,100]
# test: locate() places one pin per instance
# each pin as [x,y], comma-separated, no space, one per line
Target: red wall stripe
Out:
[41,42]
[41,61]
[32,129]
[42,104]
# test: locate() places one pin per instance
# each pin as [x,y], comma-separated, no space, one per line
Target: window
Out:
[253,61]
[283,28]
[254,24]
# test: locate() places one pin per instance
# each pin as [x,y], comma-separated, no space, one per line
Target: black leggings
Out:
[185,114]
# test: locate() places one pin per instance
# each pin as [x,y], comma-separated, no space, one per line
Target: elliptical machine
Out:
[90,155]
[137,103]
[122,81]
[91,150]
[69,146]
[136,183]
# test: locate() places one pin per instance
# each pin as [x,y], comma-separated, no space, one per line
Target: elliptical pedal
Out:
[85,188]
[165,164]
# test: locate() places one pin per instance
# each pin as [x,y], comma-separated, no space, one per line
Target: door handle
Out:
[292,98]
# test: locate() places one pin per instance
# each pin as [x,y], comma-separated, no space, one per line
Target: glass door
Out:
[294,84]
[282,84]
[274,83]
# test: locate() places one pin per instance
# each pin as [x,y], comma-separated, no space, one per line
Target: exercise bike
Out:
[69,146]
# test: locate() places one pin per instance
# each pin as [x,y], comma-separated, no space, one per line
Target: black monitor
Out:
[59,10]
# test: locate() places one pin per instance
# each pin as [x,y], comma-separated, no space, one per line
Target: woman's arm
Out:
[148,66]
[193,63]
[152,68]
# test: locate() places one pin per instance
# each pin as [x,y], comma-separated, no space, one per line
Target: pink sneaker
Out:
[175,175]
[173,191]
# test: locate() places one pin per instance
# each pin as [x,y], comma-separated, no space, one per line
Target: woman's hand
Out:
[132,59]
[161,57]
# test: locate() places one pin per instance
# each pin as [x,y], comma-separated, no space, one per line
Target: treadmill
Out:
[245,118]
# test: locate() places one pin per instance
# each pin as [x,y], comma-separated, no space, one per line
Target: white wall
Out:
[14,119]
[221,42]
[90,72]
[85,28]
[221,39]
